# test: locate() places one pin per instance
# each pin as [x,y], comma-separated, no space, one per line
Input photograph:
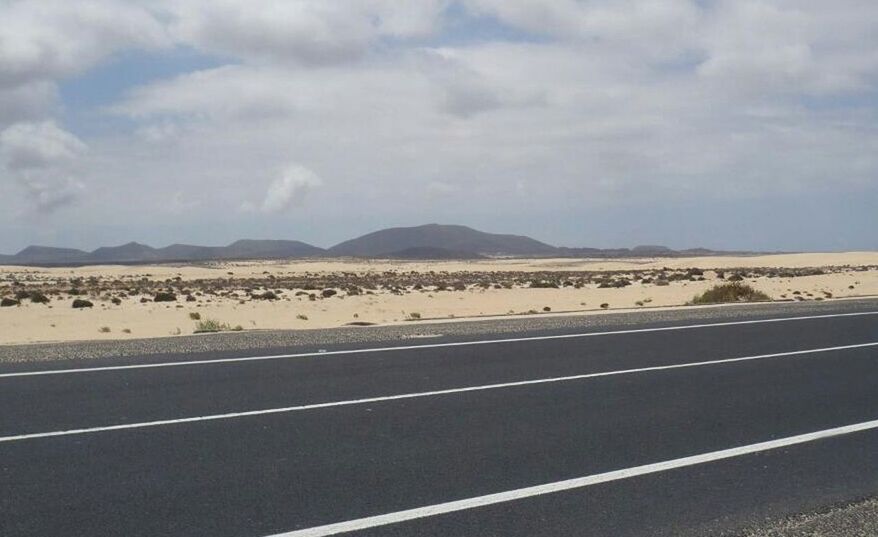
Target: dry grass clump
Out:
[730,292]
[210,325]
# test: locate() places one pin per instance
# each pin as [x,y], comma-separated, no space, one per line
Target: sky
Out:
[728,124]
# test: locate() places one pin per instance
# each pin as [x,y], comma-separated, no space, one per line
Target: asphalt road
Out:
[271,445]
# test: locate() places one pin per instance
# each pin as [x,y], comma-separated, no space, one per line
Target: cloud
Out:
[46,195]
[287,191]
[41,158]
[49,39]
[306,32]
[25,146]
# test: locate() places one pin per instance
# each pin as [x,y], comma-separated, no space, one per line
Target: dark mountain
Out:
[427,252]
[188,252]
[432,241]
[271,249]
[454,238]
[48,254]
[132,252]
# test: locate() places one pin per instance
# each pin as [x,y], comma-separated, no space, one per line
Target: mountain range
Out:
[431,241]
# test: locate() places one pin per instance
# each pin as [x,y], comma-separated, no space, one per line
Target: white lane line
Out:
[416,395]
[576,483]
[427,346]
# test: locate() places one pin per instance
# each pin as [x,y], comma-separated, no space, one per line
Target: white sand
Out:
[59,322]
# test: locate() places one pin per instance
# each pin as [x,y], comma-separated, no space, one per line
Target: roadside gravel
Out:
[859,519]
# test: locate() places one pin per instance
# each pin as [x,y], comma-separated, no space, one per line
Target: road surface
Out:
[685,428]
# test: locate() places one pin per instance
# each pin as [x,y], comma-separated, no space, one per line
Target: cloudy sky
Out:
[718,123]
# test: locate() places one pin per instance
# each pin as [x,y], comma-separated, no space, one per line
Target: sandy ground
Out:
[227,290]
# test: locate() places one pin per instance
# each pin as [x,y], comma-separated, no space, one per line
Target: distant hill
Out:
[132,252]
[445,237]
[48,254]
[427,252]
[431,241]
[135,253]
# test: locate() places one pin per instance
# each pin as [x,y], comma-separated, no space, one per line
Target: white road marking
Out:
[569,484]
[416,395]
[324,353]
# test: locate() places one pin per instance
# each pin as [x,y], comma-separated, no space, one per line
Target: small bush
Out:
[547,309]
[39,298]
[165,297]
[116,301]
[414,315]
[8,302]
[605,306]
[210,325]
[195,316]
[126,330]
[302,317]
[730,292]
[326,293]
[104,330]
[80,303]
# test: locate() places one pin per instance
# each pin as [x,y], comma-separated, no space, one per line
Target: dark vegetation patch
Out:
[730,292]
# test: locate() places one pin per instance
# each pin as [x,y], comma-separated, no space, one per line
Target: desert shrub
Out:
[38,298]
[543,285]
[326,293]
[547,309]
[165,297]
[662,283]
[604,306]
[104,330]
[8,302]
[268,295]
[195,316]
[735,278]
[730,292]
[116,301]
[414,315]
[302,317]
[126,330]
[80,303]
[210,325]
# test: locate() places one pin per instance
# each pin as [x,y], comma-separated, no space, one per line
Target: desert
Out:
[144,301]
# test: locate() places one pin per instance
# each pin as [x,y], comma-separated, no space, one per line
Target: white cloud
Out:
[308,32]
[48,39]
[38,145]
[41,158]
[287,191]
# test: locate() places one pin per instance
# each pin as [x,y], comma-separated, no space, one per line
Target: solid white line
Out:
[569,484]
[427,346]
[433,393]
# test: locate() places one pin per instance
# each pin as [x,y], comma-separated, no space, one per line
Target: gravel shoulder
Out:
[858,519]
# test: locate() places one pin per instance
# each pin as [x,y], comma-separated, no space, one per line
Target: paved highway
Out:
[689,428]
